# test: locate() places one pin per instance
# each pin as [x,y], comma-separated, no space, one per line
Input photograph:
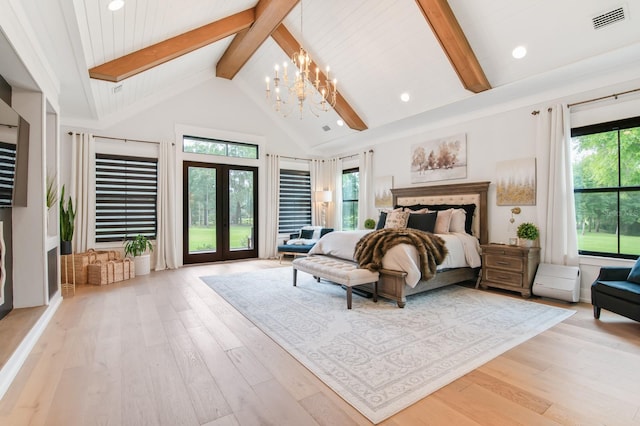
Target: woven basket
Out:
[84,259]
[110,271]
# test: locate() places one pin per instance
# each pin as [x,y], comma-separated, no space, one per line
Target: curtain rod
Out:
[614,95]
[122,139]
[307,159]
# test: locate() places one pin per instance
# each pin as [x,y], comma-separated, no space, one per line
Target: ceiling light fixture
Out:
[115,5]
[318,94]
[405,97]
[519,52]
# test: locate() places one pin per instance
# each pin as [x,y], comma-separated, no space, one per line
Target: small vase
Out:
[65,247]
[526,243]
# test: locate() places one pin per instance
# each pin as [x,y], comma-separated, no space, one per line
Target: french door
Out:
[220,211]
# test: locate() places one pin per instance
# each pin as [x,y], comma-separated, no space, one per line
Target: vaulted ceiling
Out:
[440,53]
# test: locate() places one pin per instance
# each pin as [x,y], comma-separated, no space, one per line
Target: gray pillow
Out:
[634,275]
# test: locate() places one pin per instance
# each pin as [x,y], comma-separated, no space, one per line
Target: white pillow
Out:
[442,221]
[458,219]
[396,219]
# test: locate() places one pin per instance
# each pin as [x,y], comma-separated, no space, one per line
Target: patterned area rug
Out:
[376,356]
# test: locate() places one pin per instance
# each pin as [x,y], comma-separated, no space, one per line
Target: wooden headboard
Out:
[458,193]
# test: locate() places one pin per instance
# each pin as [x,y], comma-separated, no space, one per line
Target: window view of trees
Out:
[219,147]
[350,193]
[606,175]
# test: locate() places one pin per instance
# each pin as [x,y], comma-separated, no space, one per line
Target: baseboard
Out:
[19,356]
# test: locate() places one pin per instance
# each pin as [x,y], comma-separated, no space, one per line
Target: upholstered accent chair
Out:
[617,289]
[301,242]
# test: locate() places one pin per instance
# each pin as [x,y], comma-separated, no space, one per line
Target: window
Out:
[219,147]
[295,201]
[606,177]
[7,173]
[350,191]
[126,191]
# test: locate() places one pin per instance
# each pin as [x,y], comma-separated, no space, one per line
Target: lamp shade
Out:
[324,196]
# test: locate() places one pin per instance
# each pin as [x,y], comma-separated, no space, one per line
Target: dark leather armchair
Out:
[612,291]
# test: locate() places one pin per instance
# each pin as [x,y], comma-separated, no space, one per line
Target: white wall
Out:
[218,107]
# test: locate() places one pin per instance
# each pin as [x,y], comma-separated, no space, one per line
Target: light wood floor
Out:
[164,349]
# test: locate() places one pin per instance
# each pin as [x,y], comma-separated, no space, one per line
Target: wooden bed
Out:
[392,283]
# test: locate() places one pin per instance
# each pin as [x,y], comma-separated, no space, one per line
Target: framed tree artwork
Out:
[439,159]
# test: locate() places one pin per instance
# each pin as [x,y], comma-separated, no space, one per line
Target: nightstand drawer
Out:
[504,277]
[504,262]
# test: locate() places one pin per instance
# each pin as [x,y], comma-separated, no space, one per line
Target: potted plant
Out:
[137,248]
[67,222]
[528,233]
[51,200]
[369,224]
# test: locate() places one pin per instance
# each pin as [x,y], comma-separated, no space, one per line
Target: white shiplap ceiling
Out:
[376,49]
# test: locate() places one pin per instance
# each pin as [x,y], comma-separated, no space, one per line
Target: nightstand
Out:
[509,267]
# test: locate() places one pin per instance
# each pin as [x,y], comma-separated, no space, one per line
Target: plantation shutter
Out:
[295,201]
[7,173]
[126,193]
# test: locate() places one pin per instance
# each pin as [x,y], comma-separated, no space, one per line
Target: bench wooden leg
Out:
[375,291]
[295,276]
[348,297]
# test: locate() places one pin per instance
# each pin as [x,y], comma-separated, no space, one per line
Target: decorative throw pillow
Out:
[425,210]
[306,234]
[442,221]
[423,221]
[382,219]
[396,219]
[458,218]
[634,275]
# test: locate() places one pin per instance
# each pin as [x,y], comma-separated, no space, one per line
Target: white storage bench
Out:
[336,270]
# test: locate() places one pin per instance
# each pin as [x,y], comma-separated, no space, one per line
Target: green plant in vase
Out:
[369,223]
[528,232]
[67,223]
[137,248]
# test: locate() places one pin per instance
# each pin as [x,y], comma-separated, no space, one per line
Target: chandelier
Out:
[316,94]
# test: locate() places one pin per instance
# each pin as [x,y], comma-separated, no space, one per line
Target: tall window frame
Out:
[295,200]
[350,198]
[606,170]
[126,197]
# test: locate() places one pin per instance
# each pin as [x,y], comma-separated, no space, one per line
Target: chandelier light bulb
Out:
[519,52]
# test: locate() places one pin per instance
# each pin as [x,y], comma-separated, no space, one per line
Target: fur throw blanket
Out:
[372,247]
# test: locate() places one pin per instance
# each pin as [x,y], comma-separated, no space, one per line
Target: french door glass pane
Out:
[241,218]
[202,209]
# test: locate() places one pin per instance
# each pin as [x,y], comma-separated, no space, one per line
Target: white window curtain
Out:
[316,174]
[166,246]
[558,237]
[82,191]
[272,207]
[334,169]
[366,194]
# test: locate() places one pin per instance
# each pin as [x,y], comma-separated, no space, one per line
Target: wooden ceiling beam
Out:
[159,53]
[269,14]
[290,45]
[447,30]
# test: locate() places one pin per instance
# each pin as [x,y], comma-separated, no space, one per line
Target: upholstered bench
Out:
[336,270]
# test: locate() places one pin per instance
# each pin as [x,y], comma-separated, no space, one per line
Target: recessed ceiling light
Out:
[405,97]
[519,52]
[115,5]
[340,123]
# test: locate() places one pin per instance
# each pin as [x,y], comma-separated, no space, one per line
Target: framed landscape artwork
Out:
[439,159]
[382,187]
[516,182]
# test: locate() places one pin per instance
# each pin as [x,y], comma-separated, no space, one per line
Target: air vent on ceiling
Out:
[326,128]
[607,18]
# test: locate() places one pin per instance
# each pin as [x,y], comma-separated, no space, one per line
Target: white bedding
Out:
[464,251]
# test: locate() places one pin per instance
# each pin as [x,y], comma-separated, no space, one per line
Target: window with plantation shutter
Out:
[126,193]
[295,201]
[7,173]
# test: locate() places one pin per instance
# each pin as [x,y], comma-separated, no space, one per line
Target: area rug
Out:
[376,356]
